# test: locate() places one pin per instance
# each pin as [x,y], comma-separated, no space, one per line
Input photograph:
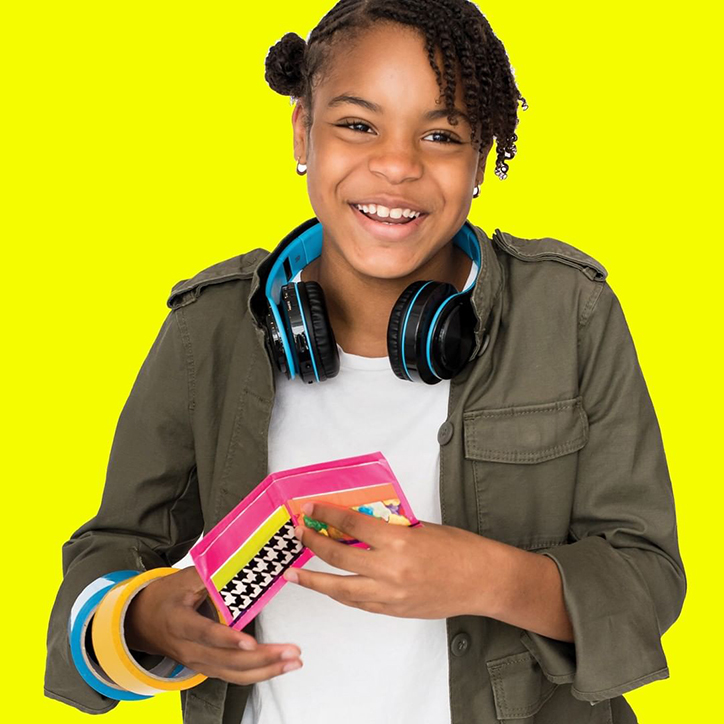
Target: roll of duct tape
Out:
[113,653]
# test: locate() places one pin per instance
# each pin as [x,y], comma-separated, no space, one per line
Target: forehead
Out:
[387,63]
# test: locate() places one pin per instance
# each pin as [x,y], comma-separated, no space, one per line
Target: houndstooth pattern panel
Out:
[262,570]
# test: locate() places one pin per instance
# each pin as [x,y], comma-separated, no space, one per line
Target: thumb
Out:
[189,582]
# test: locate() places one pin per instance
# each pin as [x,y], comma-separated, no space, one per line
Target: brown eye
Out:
[350,124]
[448,138]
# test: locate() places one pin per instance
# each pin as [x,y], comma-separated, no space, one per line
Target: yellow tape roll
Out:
[110,645]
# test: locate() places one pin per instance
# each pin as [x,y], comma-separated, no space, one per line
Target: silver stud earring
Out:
[476,191]
[301,168]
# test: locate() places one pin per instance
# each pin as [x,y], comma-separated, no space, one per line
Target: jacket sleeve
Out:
[623,578]
[149,515]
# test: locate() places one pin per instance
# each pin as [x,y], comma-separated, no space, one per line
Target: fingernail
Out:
[308,508]
[291,666]
[291,575]
[298,531]
[289,654]
[247,645]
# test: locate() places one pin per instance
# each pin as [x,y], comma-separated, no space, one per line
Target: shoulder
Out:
[549,249]
[212,310]
[550,274]
[236,269]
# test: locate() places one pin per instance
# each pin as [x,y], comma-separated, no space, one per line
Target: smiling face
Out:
[380,137]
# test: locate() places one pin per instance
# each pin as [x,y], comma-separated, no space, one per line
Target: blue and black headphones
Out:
[429,335]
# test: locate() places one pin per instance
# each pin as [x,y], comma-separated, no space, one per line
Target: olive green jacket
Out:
[551,444]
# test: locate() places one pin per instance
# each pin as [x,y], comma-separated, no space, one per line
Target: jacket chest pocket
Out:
[524,469]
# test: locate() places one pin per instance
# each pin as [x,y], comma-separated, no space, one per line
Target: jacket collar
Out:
[487,286]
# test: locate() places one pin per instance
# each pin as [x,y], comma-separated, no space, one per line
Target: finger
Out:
[190,625]
[361,526]
[345,589]
[254,676]
[213,661]
[195,596]
[337,554]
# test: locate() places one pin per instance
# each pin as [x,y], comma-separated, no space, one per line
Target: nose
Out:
[396,161]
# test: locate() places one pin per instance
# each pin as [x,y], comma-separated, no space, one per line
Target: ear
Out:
[300,132]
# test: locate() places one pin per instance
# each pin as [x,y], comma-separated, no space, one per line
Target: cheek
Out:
[456,177]
[333,161]
[328,177]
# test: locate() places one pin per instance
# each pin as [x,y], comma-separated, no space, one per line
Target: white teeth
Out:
[383,212]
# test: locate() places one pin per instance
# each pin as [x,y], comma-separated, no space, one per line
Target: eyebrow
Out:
[430,115]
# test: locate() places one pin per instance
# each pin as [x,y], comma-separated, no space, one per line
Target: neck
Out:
[359,307]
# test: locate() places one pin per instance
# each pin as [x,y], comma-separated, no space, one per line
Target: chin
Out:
[383,269]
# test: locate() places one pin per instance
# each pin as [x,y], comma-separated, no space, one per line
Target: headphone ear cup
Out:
[395,343]
[418,334]
[453,338]
[322,341]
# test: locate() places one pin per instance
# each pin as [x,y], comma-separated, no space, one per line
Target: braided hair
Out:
[457,27]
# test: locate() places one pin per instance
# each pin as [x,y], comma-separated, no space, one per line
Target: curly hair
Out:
[456,27]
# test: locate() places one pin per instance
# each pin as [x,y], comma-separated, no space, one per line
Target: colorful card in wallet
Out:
[241,559]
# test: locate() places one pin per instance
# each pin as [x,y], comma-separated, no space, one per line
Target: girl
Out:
[547,568]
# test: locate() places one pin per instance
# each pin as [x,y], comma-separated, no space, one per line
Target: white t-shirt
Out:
[358,666]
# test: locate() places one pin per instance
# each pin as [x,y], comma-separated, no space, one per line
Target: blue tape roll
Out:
[80,615]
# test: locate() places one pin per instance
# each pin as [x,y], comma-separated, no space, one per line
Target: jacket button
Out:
[445,433]
[460,644]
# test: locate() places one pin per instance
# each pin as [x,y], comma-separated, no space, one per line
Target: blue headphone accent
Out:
[404,324]
[302,251]
[306,333]
[430,333]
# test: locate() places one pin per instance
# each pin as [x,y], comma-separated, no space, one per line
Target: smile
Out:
[388,228]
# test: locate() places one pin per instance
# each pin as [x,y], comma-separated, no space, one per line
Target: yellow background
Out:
[142,144]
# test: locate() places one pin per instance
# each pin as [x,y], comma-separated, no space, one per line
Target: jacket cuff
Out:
[62,680]
[617,644]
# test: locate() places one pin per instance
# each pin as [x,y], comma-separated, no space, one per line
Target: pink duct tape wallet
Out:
[241,559]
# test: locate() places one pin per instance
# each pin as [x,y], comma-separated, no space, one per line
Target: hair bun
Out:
[285,65]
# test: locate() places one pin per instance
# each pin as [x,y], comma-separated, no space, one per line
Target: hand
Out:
[429,571]
[163,619]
